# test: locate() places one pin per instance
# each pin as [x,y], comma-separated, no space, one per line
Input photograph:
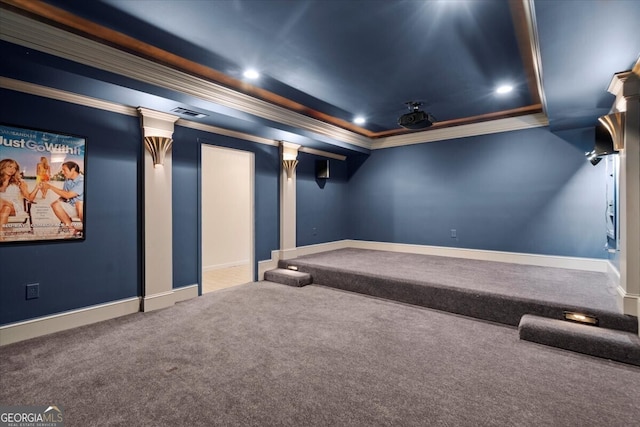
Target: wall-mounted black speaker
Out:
[322,169]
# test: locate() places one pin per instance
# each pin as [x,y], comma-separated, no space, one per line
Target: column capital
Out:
[157,124]
[625,85]
[289,150]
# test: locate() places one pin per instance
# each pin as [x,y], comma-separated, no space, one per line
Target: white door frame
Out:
[251,243]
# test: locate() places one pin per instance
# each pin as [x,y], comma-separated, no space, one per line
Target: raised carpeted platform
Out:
[494,291]
[531,297]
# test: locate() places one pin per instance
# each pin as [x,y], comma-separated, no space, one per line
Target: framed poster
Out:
[42,189]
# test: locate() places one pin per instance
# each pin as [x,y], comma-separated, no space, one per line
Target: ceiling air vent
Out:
[189,113]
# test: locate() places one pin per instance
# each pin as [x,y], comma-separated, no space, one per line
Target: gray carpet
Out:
[265,354]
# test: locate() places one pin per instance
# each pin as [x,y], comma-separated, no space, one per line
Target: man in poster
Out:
[70,203]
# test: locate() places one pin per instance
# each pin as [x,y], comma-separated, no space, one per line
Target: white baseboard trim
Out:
[40,326]
[277,255]
[69,319]
[186,292]
[288,253]
[225,265]
[158,301]
[573,263]
[268,264]
[324,247]
[167,299]
[630,303]
[613,274]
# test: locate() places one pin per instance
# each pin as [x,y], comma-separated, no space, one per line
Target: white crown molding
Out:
[61,95]
[87,101]
[227,132]
[532,28]
[463,131]
[322,153]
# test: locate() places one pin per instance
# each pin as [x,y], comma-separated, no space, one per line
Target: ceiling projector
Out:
[416,119]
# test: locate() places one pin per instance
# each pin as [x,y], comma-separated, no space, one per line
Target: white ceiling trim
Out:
[532,28]
[474,129]
[61,95]
[226,132]
[321,153]
[87,101]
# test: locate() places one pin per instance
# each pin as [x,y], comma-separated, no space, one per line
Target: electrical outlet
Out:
[454,233]
[33,290]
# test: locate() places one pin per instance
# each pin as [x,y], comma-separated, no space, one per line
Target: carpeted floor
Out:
[264,354]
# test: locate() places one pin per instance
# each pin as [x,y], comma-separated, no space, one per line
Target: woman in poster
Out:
[13,190]
[43,171]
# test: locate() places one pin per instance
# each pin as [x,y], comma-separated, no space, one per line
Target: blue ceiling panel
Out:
[343,58]
[334,60]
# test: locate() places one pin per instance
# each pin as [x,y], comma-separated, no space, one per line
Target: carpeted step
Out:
[288,277]
[593,340]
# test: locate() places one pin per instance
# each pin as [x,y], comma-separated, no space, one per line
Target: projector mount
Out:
[416,118]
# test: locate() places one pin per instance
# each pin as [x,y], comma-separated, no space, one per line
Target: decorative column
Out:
[288,154]
[626,129]
[157,131]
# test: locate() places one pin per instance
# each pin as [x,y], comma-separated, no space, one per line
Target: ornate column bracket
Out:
[157,131]
[289,167]
[158,147]
[615,125]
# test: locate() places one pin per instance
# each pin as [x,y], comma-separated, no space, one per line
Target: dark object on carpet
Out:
[593,340]
[288,277]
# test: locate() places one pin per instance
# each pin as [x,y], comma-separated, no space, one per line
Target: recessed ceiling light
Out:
[251,74]
[504,89]
[359,120]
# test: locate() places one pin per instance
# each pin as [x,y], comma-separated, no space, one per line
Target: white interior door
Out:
[227,217]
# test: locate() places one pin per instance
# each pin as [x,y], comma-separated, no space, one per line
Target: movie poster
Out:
[42,189]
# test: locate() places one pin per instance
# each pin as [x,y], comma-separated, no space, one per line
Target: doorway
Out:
[227,217]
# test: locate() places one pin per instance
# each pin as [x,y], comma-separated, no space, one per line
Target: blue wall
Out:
[105,266]
[528,191]
[320,203]
[186,153]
